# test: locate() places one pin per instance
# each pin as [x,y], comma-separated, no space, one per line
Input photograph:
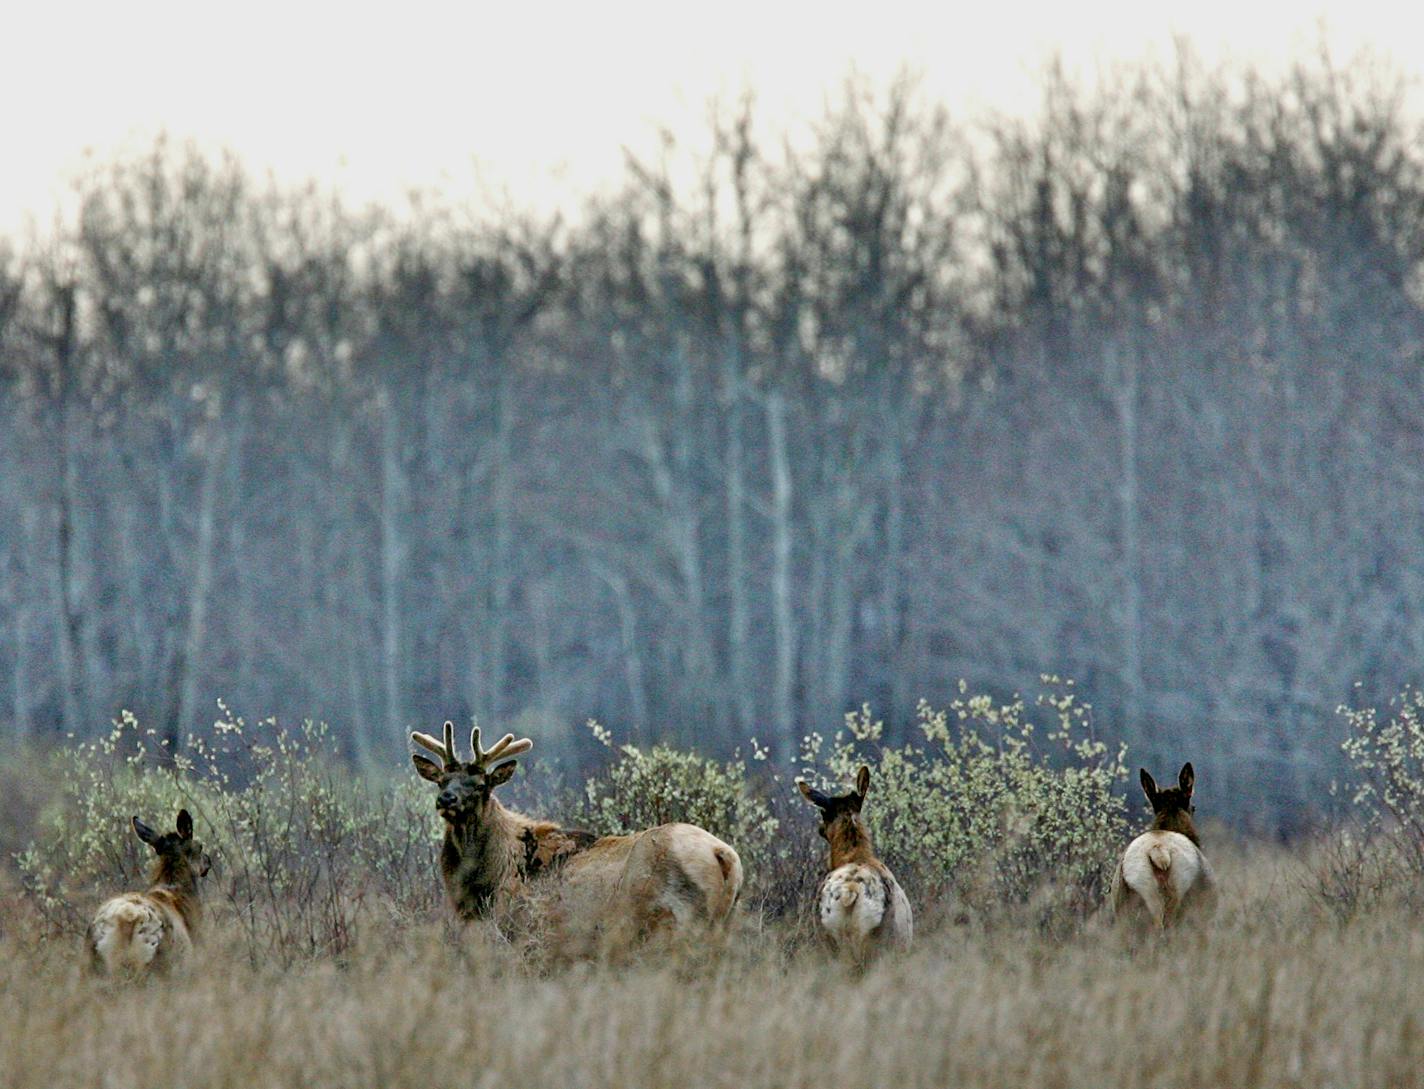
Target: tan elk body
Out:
[153,931]
[1163,874]
[860,907]
[613,889]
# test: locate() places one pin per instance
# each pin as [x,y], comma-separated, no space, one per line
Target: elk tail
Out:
[1160,856]
[731,867]
[131,954]
[111,940]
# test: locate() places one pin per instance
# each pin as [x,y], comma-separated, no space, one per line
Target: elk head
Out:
[467,789]
[1172,808]
[181,860]
[840,814]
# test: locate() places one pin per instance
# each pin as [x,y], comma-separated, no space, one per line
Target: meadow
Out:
[1311,973]
[1277,994]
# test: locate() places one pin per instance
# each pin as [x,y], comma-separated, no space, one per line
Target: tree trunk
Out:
[739,614]
[392,487]
[244,634]
[18,601]
[783,700]
[20,692]
[501,589]
[632,659]
[1131,621]
[833,684]
[202,578]
[681,531]
[358,627]
[68,621]
[836,532]
[892,612]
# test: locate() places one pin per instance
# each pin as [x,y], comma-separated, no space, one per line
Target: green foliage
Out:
[642,788]
[990,811]
[301,847]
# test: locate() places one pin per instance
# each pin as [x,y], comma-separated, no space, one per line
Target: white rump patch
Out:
[1161,868]
[129,931]
[851,903]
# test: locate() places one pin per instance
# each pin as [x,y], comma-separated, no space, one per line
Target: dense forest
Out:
[1127,391]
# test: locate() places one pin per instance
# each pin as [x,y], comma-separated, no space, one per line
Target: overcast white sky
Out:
[374,98]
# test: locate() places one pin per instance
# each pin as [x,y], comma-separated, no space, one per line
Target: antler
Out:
[506,748]
[445,751]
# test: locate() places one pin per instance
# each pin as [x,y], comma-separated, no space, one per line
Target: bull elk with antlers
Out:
[614,888]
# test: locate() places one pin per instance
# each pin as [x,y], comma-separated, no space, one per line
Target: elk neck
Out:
[849,841]
[1176,820]
[175,874]
[478,857]
[175,884]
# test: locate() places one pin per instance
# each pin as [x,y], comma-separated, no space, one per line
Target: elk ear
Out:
[425,767]
[811,794]
[145,833]
[185,824]
[1187,779]
[862,781]
[1149,786]
[502,773]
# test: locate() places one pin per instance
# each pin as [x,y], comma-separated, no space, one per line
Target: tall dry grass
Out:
[1278,992]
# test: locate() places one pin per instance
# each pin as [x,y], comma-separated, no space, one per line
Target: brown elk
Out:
[859,904]
[614,888]
[1163,872]
[153,931]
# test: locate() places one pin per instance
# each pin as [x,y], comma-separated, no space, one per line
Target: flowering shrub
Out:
[646,787]
[990,810]
[1380,850]
[1387,758]
[300,846]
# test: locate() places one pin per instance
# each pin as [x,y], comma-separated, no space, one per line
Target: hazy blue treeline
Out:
[1129,392]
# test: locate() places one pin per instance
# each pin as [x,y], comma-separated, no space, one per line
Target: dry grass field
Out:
[1277,993]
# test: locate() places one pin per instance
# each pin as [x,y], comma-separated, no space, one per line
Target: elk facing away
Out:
[1163,872]
[859,904]
[152,931]
[613,889]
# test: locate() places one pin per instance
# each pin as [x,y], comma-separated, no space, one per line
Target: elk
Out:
[1163,872]
[859,904]
[613,888]
[140,932]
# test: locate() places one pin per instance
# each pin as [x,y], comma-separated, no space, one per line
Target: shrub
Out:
[642,788]
[1379,850]
[990,811]
[301,847]
[1387,758]
[1352,871]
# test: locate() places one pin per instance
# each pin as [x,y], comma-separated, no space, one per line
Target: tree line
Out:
[1128,391]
